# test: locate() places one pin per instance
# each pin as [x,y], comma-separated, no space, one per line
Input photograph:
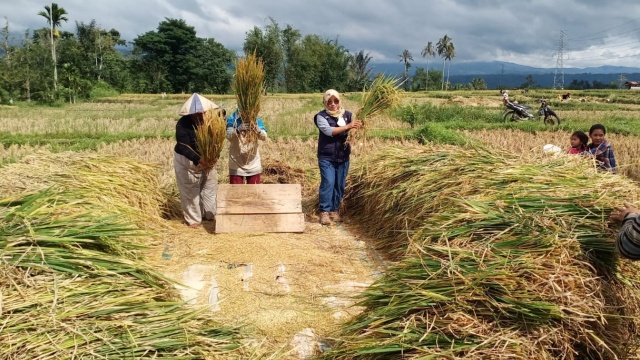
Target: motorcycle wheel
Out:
[552,119]
[510,116]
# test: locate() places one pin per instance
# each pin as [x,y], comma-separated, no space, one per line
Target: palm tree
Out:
[428,52]
[449,54]
[441,48]
[54,16]
[405,57]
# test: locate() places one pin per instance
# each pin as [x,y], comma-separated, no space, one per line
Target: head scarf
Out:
[328,95]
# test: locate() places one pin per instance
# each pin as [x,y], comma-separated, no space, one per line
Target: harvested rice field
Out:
[462,239]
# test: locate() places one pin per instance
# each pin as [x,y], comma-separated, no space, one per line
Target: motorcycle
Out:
[516,112]
[549,116]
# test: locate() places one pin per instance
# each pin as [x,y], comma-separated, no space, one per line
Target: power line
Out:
[607,47]
[608,36]
[558,81]
[601,31]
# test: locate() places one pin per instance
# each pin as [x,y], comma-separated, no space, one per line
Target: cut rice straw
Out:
[497,257]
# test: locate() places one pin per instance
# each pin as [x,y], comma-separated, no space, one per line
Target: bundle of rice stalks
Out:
[70,289]
[381,95]
[210,137]
[499,258]
[248,85]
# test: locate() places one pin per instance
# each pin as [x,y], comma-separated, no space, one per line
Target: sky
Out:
[526,32]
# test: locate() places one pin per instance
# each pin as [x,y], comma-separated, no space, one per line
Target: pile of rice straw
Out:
[496,257]
[248,84]
[70,284]
[119,184]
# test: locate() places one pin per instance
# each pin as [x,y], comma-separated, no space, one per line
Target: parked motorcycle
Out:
[549,116]
[516,112]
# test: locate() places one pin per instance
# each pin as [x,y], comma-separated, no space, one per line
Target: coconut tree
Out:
[405,57]
[449,54]
[441,48]
[54,15]
[428,52]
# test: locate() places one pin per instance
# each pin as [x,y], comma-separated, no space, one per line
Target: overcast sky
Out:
[527,32]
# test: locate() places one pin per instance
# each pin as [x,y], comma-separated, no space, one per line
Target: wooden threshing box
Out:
[259,208]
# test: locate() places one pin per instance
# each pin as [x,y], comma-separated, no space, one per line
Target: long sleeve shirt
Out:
[325,128]
[628,241]
[186,139]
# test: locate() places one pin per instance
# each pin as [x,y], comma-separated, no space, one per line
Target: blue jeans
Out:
[333,178]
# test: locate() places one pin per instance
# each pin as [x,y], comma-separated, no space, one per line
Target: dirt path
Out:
[275,284]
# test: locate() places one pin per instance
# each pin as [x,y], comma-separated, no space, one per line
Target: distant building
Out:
[632,85]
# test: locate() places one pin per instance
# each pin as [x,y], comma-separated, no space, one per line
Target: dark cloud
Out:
[526,32]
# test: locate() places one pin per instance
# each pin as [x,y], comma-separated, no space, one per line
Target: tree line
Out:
[48,65]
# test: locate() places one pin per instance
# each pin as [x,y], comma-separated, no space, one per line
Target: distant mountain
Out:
[480,68]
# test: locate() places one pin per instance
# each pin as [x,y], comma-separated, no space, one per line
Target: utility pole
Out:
[558,76]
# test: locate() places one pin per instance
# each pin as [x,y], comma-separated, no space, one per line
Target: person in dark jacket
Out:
[198,189]
[628,239]
[334,123]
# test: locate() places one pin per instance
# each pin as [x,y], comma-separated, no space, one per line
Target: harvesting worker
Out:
[333,123]
[245,164]
[628,240]
[197,188]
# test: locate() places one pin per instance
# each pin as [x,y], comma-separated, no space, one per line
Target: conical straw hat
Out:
[196,104]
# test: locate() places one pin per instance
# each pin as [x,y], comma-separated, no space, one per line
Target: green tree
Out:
[359,71]
[54,15]
[291,56]
[479,84]
[428,52]
[267,45]
[97,44]
[170,59]
[422,77]
[449,54]
[441,48]
[213,74]
[405,57]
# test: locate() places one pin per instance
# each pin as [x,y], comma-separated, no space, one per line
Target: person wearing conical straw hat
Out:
[333,123]
[198,189]
[628,240]
[245,164]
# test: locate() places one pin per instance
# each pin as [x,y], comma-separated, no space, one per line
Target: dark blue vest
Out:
[333,148]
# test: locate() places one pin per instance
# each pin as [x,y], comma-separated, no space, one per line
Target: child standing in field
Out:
[601,149]
[579,141]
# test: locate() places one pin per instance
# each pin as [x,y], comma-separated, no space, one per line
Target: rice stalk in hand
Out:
[210,137]
[248,85]
[383,94]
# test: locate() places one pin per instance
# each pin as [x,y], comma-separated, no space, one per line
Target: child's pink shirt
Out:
[573,150]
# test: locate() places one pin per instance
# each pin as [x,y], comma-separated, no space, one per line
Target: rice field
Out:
[93,150]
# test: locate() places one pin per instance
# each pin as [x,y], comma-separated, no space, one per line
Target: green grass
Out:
[75,141]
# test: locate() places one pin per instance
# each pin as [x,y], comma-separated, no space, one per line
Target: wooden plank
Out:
[228,223]
[259,199]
